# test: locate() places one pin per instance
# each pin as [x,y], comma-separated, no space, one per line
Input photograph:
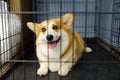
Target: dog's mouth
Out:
[53,44]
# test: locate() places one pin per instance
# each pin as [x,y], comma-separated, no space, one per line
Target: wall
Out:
[106,20]
[109,28]
[85,13]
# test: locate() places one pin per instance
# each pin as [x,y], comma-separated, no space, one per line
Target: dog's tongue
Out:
[52,45]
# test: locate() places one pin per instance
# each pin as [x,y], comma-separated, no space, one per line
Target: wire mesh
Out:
[97,20]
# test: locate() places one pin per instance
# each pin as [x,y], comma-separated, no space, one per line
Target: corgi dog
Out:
[58,48]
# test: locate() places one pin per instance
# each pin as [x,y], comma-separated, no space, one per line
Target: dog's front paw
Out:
[42,71]
[63,71]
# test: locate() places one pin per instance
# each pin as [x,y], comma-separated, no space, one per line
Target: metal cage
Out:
[97,21]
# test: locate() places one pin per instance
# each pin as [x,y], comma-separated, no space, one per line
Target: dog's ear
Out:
[31,26]
[68,19]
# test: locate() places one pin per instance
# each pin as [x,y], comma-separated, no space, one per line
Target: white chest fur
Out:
[52,57]
[53,64]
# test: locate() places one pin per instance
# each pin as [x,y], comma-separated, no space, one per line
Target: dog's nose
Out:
[49,37]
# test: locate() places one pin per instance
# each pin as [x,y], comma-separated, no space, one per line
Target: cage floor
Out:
[98,65]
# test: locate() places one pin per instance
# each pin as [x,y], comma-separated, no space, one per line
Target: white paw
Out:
[63,71]
[42,71]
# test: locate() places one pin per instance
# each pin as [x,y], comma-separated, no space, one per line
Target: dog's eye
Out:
[55,27]
[43,29]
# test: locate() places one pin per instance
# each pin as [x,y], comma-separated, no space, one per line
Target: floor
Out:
[98,65]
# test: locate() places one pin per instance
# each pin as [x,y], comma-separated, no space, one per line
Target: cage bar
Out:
[97,21]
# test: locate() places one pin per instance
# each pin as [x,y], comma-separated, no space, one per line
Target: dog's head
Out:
[53,30]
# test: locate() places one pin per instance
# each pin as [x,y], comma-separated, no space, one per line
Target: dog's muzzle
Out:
[53,44]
